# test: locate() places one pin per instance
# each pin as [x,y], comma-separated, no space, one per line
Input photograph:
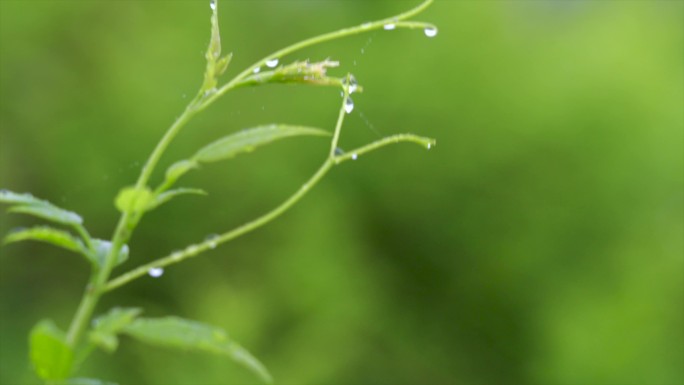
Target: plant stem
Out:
[127,222]
[196,249]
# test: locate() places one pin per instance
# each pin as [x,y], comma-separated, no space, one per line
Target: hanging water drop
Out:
[256,70]
[155,272]
[271,63]
[355,156]
[429,145]
[349,105]
[213,240]
[339,151]
[430,31]
[389,26]
[212,5]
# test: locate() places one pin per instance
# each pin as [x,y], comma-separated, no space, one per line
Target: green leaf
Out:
[85,381]
[168,195]
[107,326]
[28,204]
[248,140]
[191,335]
[51,356]
[102,250]
[178,169]
[133,199]
[48,234]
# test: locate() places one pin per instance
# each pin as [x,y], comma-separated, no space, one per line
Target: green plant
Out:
[56,355]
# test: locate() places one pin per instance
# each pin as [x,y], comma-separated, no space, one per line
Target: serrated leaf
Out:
[107,326]
[168,195]
[51,356]
[133,199]
[85,381]
[48,234]
[248,140]
[191,335]
[178,169]
[102,250]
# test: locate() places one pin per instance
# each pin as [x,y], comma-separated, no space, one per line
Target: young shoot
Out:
[57,354]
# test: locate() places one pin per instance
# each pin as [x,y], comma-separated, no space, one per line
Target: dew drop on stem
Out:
[213,240]
[352,84]
[355,156]
[349,105]
[212,5]
[271,63]
[430,31]
[339,151]
[155,272]
[389,26]
[256,70]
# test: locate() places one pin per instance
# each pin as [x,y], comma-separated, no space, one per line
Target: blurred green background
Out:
[541,241]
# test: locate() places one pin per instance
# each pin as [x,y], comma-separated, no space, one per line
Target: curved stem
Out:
[127,222]
[196,249]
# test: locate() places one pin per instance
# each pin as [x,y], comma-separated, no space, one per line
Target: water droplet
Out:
[389,26]
[349,105]
[155,272]
[366,25]
[339,151]
[213,240]
[256,70]
[430,31]
[353,84]
[355,156]
[271,63]
[429,145]
[212,5]
[176,255]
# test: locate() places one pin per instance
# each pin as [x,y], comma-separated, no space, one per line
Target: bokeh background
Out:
[541,241]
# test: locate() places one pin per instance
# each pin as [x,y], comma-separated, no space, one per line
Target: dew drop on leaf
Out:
[389,26]
[355,156]
[155,272]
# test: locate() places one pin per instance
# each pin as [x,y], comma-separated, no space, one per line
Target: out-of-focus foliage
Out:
[541,241]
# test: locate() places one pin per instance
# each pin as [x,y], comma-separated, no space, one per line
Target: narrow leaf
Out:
[107,326]
[48,234]
[248,140]
[51,356]
[132,199]
[178,169]
[190,335]
[28,204]
[11,197]
[102,250]
[168,195]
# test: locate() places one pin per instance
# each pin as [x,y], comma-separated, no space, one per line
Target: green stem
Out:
[196,249]
[127,222]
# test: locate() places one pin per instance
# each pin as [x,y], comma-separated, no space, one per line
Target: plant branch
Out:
[196,249]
